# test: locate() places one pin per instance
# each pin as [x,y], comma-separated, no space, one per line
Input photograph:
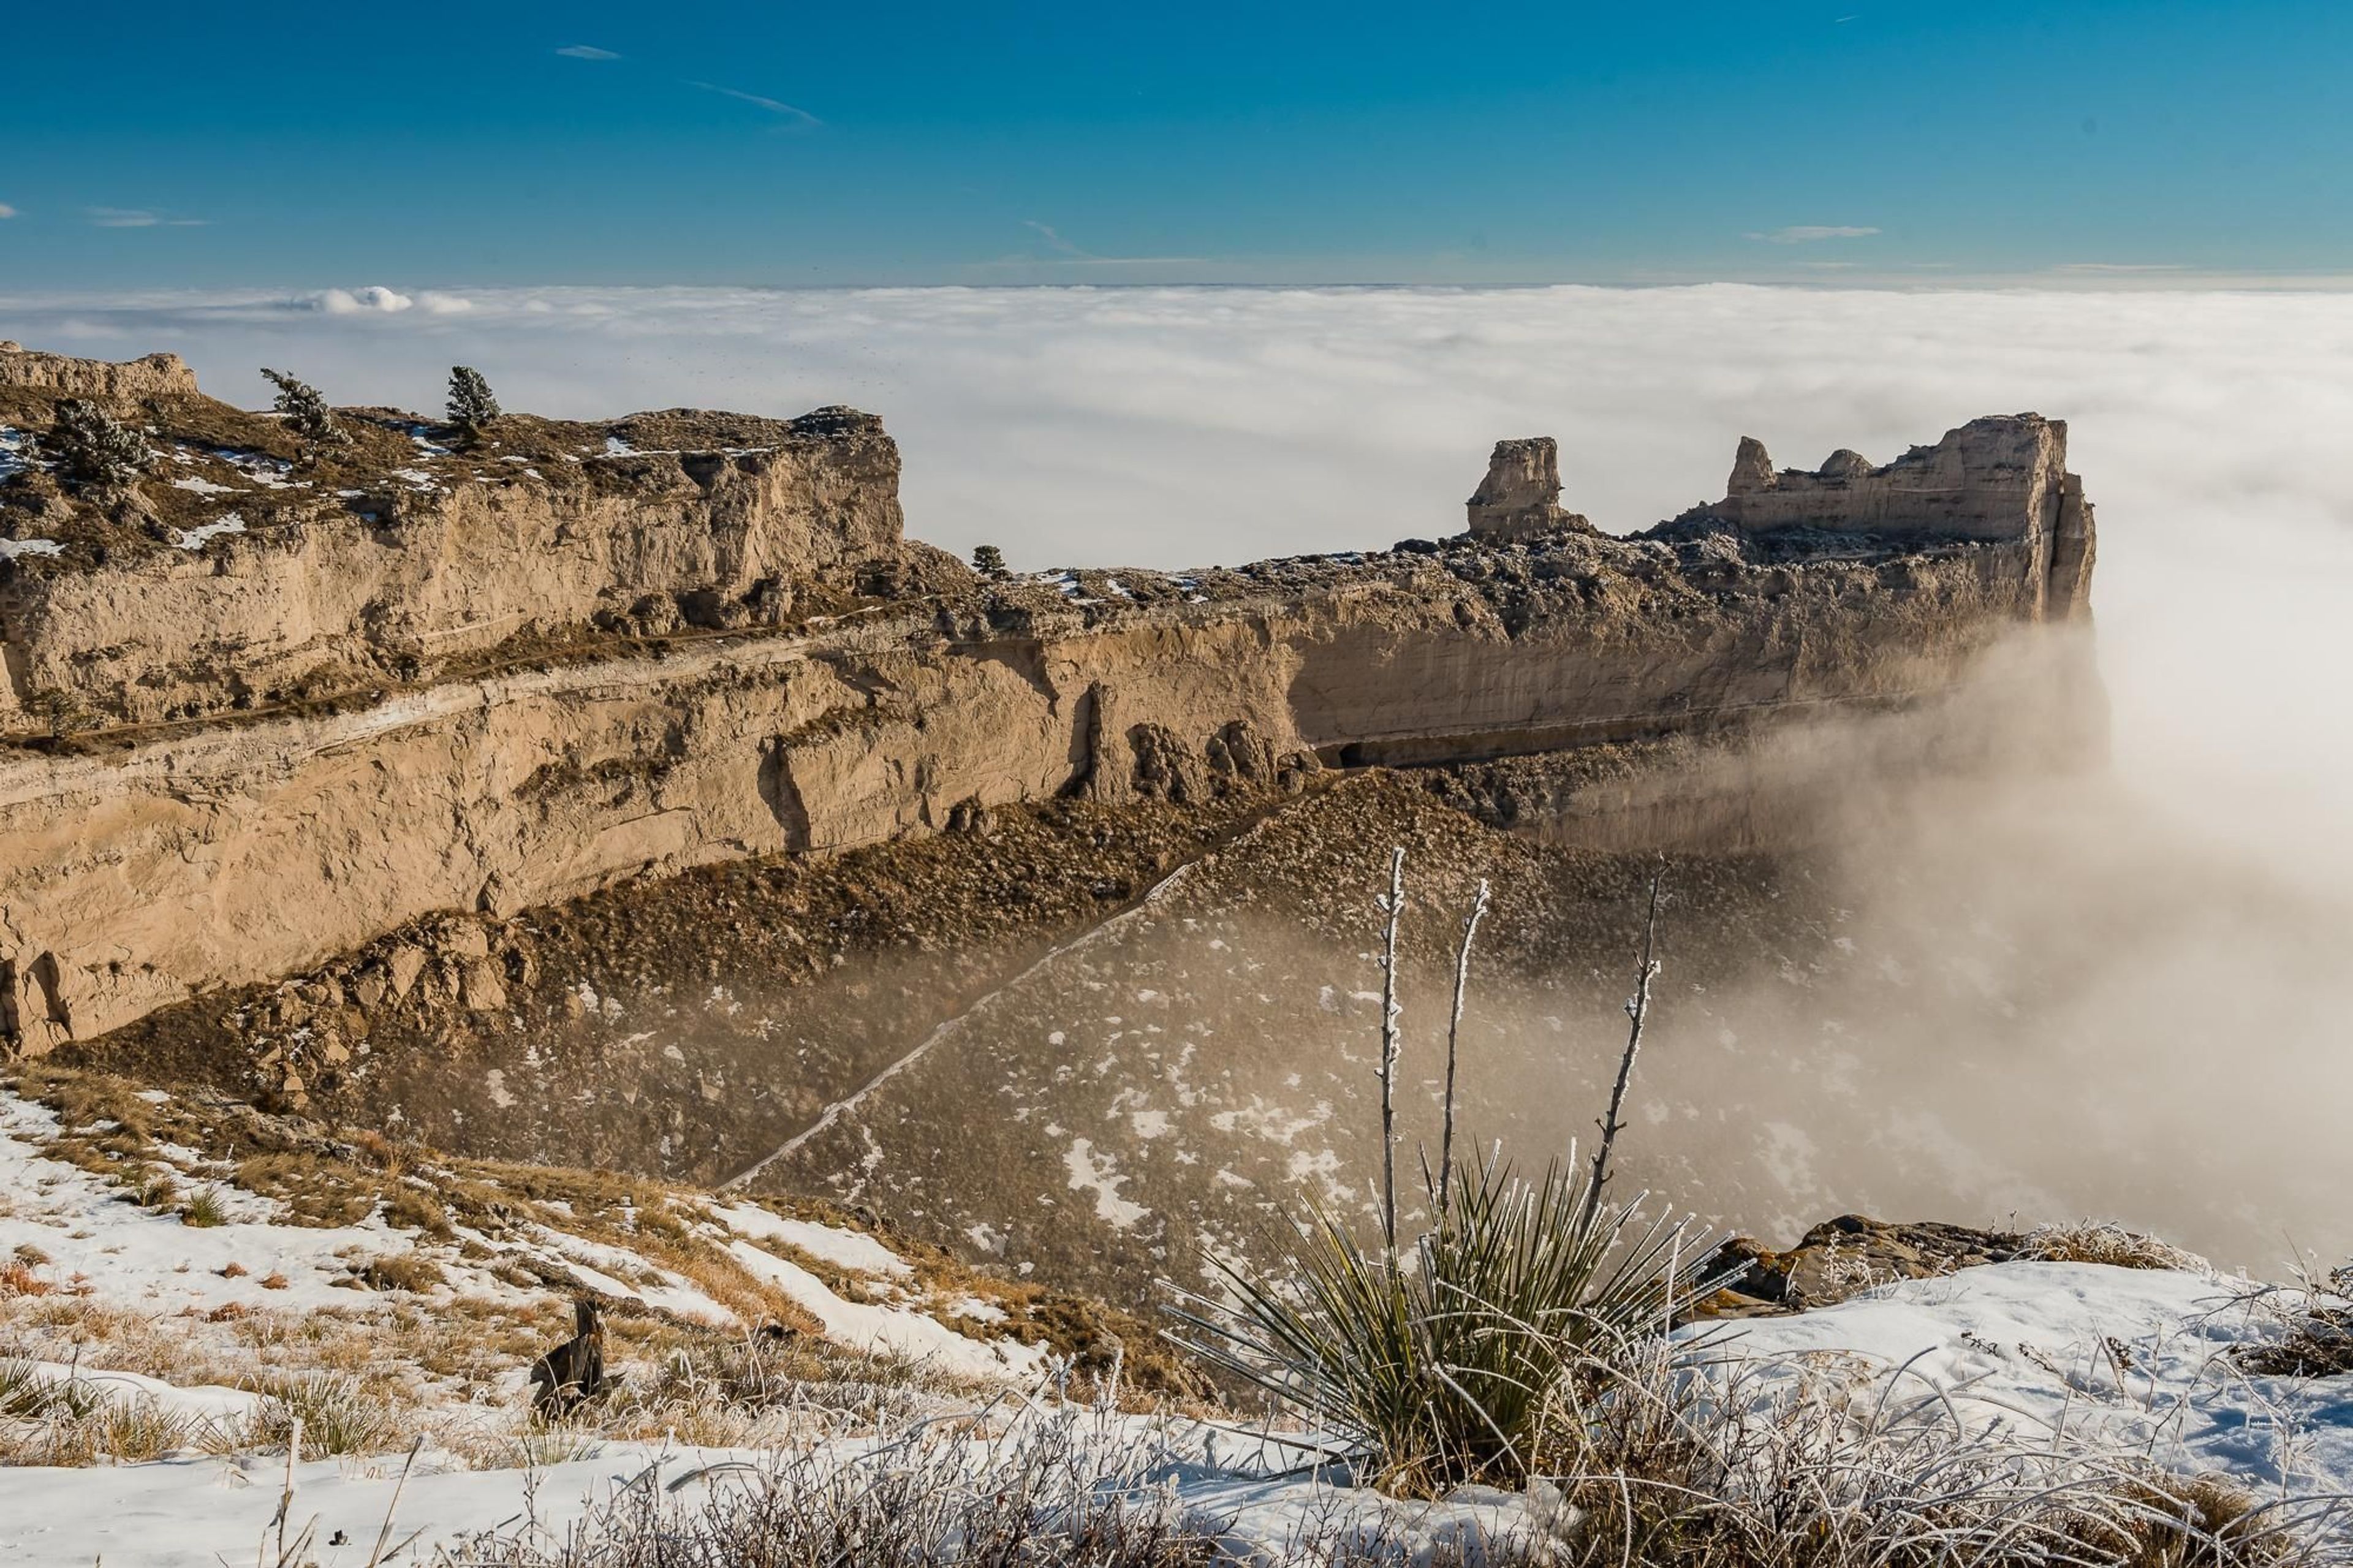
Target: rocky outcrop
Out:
[1844,1257]
[153,863]
[2003,478]
[1520,497]
[372,589]
[102,381]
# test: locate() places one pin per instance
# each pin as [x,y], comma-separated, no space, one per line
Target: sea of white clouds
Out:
[1173,426]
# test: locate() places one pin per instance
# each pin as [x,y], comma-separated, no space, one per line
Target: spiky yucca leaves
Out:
[1440,1371]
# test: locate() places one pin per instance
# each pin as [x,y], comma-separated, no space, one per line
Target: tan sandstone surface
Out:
[141,861]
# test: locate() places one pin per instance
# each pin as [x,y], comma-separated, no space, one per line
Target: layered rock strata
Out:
[141,865]
[1520,497]
[123,384]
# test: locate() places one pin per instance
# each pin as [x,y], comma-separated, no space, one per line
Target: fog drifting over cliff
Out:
[1173,426]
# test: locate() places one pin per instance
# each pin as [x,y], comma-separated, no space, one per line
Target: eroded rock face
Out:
[2003,478]
[357,596]
[1520,498]
[100,381]
[167,861]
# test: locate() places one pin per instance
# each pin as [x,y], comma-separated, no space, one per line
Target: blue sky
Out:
[155,146]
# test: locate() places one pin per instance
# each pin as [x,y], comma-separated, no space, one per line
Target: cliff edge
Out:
[267,704]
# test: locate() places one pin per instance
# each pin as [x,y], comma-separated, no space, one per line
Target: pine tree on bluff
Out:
[989,561]
[472,407]
[97,451]
[305,412]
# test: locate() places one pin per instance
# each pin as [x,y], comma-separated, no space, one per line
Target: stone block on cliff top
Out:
[1520,498]
[2003,477]
[105,381]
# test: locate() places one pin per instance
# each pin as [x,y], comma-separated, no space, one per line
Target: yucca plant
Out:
[1438,1370]
[1436,1363]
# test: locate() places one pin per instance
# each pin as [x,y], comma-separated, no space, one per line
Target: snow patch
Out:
[1091,1174]
[2132,1357]
[850,1249]
[888,1331]
[151,1262]
[15,446]
[198,537]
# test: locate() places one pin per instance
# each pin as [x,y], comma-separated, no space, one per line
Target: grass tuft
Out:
[2105,1241]
[337,1416]
[205,1210]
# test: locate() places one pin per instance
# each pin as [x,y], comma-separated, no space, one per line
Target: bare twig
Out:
[384,1534]
[1453,1031]
[286,1498]
[1638,1010]
[1393,906]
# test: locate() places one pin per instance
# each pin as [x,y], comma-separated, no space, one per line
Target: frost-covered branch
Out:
[1393,906]
[1638,1012]
[1453,1033]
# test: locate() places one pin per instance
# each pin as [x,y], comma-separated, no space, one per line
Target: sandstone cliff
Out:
[243,571]
[138,865]
[1997,479]
[124,384]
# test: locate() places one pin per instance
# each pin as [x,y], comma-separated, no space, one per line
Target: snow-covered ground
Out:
[2134,1364]
[206,1511]
[98,1245]
[2135,1360]
[91,1242]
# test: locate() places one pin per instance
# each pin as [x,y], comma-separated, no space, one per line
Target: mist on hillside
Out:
[2117,989]
[2037,992]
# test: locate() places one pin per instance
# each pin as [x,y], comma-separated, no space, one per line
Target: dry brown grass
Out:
[410,1271]
[2104,1241]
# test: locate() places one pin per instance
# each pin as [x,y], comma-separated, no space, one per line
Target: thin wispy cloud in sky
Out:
[138,217]
[1812,233]
[587,52]
[1054,241]
[6,210]
[773,105]
[1067,253]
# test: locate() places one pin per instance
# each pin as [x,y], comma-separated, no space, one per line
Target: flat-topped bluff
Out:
[239,569]
[275,703]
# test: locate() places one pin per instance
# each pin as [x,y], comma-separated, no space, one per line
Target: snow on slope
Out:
[2130,1359]
[155,1262]
[890,1330]
[88,1239]
[829,1243]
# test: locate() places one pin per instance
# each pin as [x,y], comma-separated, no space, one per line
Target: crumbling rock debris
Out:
[1166,768]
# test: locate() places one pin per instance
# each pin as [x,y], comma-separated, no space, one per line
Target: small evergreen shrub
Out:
[989,561]
[305,412]
[94,450]
[472,406]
